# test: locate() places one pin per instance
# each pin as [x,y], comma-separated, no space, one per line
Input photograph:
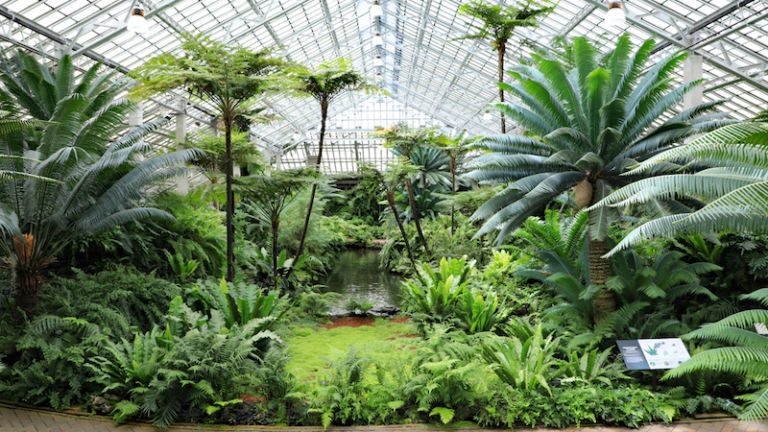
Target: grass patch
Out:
[313,348]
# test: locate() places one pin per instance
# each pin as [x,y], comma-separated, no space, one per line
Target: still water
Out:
[357,276]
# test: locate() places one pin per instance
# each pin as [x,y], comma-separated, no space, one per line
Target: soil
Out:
[350,322]
[359,321]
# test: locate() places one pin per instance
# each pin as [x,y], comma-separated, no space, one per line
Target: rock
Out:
[101,405]
[384,311]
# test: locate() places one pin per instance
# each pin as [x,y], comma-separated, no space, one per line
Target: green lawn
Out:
[313,348]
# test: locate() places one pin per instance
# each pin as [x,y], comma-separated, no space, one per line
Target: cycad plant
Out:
[497,23]
[99,182]
[746,355]
[229,78]
[584,126]
[326,83]
[735,185]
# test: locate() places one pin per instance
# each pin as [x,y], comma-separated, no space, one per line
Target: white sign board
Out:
[664,353]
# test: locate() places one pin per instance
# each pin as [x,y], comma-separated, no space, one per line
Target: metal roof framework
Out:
[432,78]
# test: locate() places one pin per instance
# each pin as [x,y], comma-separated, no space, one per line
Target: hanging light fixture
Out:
[296,135]
[379,77]
[378,40]
[376,10]
[487,117]
[378,62]
[615,16]
[136,22]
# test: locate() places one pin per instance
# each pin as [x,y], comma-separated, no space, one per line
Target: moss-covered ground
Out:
[313,347]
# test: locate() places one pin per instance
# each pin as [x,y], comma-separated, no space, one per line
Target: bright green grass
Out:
[313,348]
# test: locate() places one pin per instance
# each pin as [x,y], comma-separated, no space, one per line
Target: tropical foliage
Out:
[585,124]
[99,181]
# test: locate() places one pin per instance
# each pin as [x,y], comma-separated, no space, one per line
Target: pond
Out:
[357,276]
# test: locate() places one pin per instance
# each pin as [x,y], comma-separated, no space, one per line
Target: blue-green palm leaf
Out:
[593,120]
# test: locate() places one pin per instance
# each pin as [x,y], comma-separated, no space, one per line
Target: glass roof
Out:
[431,77]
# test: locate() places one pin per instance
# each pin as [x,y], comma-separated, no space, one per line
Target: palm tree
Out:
[325,83]
[229,78]
[398,171]
[585,125]
[95,183]
[271,194]
[734,185]
[498,24]
[404,141]
[456,148]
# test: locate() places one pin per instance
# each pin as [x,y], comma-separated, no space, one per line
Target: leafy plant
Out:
[746,356]
[325,83]
[161,377]
[229,78]
[593,367]
[481,311]
[734,184]
[524,363]
[99,181]
[183,269]
[497,23]
[585,124]
[437,293]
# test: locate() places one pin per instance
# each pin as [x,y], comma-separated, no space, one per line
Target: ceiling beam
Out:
[122,29]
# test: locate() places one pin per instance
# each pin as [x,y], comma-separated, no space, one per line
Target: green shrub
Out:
[569,406]
[115,300]
[481,311]
[436,293]
[49,366]
[524,363]
[161,377]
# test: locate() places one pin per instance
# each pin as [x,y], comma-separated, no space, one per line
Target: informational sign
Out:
[653,353]
[761,329]
[632,355]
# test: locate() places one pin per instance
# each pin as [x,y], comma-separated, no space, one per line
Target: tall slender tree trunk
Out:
[323,119]
[599,268]
[453,193]
[275,233]
[502,50]
[393,207]
[230,206]
[416,216]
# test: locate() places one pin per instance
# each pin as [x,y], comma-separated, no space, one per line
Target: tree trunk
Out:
[391,201]
[230,206]
[502,51]
[28,272]
[275,232]
[416,217]
[29,282]
[453,193]
[323,119]
[599,269]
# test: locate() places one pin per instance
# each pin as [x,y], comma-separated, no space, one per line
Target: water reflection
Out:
[357,276]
